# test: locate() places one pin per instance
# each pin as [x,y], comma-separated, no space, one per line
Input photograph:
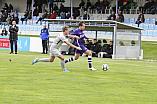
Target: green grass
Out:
[149,50]
[126,81]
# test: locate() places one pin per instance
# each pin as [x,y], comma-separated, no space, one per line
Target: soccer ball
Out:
[104,67]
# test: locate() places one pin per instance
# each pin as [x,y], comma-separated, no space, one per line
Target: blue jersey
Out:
[44,34]
[80,34]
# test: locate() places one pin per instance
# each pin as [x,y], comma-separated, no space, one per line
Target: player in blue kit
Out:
[79,43]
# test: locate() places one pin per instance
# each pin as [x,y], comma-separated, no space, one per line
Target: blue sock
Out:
[90,61]
[70,59]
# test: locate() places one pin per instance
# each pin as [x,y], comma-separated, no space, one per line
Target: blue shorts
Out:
[84,49]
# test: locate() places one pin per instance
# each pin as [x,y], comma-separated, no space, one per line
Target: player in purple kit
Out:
[79,42]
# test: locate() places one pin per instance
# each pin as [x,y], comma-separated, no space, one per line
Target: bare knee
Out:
[76,58]
[90,54]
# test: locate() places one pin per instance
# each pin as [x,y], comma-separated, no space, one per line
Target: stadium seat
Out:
[58,18]
[24,28]
[144,33]
[39,28]
[132,20]
[43,22]
[55,28]
[155,27]
[39,23]
[34,17]
[28,22]
[147,21]
[20,28]
[141,26]
[151,27]
[51,28]
[38,17]
[24,23]
[28,28]
[151,33]
[20,17]
[153,21]
[155,33]
[35,28]
[127,20]
[32,28]
[135,25]
[20,23]
[146,26]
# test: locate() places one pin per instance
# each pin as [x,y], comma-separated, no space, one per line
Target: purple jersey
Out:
[80,34]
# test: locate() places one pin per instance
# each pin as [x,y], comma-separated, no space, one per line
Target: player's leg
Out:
[77,55]
[63,63]
[90,59]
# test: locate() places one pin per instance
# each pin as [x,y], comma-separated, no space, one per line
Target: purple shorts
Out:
[84,49]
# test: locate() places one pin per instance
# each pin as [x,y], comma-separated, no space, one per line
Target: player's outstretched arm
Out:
[71,45]
[72,37]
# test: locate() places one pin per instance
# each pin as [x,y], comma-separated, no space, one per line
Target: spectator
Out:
[154,7]
[0,18]
[81,4]
[118,19]
[42,17]
[76,13]
[105,4]
[61,8]
[25,16]
[8,20]
[120,4]
[44,35]
[63,15]
[146,6]
[4,32]
[88,4]
[16,19]
[88,46]
[48,15]
[68,15]
[106,51]
[36,12]
[11,13]
[39,4]
[86,16]
[56,9]
[53,16]
[4,8]
[13,29]
[121,43]
[140,18]
[129,6]
[29,2]
[30,15]
[50,5]
[112,15]
[95,5]
[121,16]
[112,18]
[99,8]
[16,13]
[151,3]
[4,22]
[44,3]
[95,48]
[124,6]
[107,18]
[5,13]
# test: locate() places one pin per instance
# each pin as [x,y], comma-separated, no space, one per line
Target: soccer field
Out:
[126,81]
